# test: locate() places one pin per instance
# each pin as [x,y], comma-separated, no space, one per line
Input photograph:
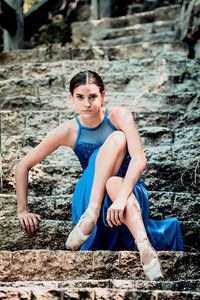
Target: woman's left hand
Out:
[115,212]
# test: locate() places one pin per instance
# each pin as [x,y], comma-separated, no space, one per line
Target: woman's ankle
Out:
[145,249]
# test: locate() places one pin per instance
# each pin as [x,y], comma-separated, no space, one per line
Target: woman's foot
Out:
[149,260]
[83,228]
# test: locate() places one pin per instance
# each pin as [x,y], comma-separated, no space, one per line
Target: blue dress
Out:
[164,235]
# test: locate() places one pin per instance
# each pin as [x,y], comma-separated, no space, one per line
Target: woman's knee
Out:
[117,139]
[112,183]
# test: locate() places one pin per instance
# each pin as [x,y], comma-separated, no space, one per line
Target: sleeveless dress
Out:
[164,235]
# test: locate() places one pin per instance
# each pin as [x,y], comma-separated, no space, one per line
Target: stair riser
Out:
[39,123]
[179,285]
[149,5]
[169,167]
[145,102]
[113,83]
[160,14]
[162,205]
[141,50]
[56,70]
[58,232]
[94,294]
[64,265]
[144,29]
[125,40]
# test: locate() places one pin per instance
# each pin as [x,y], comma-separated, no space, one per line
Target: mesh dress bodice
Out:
[89,139]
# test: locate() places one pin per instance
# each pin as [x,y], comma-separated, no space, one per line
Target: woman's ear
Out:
[103,94]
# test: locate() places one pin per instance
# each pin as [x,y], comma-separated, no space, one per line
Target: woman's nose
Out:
[86,103]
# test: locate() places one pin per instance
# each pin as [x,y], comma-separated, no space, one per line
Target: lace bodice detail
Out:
[89,139]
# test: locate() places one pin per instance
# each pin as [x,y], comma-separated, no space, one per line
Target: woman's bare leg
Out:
[108,162]
[132,214]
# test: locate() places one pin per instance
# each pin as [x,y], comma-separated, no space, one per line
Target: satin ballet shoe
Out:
[76,237]
[153,269]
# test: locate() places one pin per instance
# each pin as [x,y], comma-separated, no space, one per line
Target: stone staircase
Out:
[145,69]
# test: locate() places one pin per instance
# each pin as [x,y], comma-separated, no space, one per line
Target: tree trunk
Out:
[100,9]
[15,41]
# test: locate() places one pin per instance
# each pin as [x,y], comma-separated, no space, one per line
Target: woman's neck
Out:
[93,120]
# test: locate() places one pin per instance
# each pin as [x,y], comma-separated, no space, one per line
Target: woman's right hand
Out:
[29,221]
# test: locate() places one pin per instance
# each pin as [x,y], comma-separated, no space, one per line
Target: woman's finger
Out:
[35,221]
[112,217]
[31,224]
[108,219]
[23,226]
[117,220]
[38,217]
[121,216]
[27,225]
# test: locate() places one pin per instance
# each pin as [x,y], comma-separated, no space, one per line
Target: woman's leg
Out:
[108,162]
[132,214]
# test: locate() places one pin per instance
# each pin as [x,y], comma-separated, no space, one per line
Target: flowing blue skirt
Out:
[164,235]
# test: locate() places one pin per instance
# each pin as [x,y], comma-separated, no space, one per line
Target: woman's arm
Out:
[57,137]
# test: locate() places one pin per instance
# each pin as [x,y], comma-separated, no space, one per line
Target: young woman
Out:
[110,202]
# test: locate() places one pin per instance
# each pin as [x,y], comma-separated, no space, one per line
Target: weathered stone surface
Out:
[136,102]
[82,32]
[149,5]
[52,234]
[154,37]
[93,294]
[53,71]
[58,68]
[138,29]
[62,265]
[162,204]
[176,285]
[59,230]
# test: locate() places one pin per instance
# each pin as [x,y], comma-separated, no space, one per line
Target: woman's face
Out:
[87,99]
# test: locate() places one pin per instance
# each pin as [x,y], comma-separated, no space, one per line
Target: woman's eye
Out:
[93,97]
[79,97]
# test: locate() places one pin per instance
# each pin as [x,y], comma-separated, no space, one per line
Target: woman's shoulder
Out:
[67,129]
[114,112]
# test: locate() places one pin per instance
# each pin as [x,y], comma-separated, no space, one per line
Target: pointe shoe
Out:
[153,269]
[76,237]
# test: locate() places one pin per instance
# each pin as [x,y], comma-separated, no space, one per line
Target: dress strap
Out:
[106,114]
[77,120]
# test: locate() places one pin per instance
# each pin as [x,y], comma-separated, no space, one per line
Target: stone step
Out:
[82,31]
[184,206]
[57,53]
[170,168]
[160,122]
[43,265]
[138,102]
[58,231]
[149,5]
[171,65]
[153,81]
[192,285]
[93,294]
[168,37]
[138,29]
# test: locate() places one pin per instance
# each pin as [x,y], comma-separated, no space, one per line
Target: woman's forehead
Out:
[88,88]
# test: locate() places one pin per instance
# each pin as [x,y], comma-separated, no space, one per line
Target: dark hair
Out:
[85,77]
